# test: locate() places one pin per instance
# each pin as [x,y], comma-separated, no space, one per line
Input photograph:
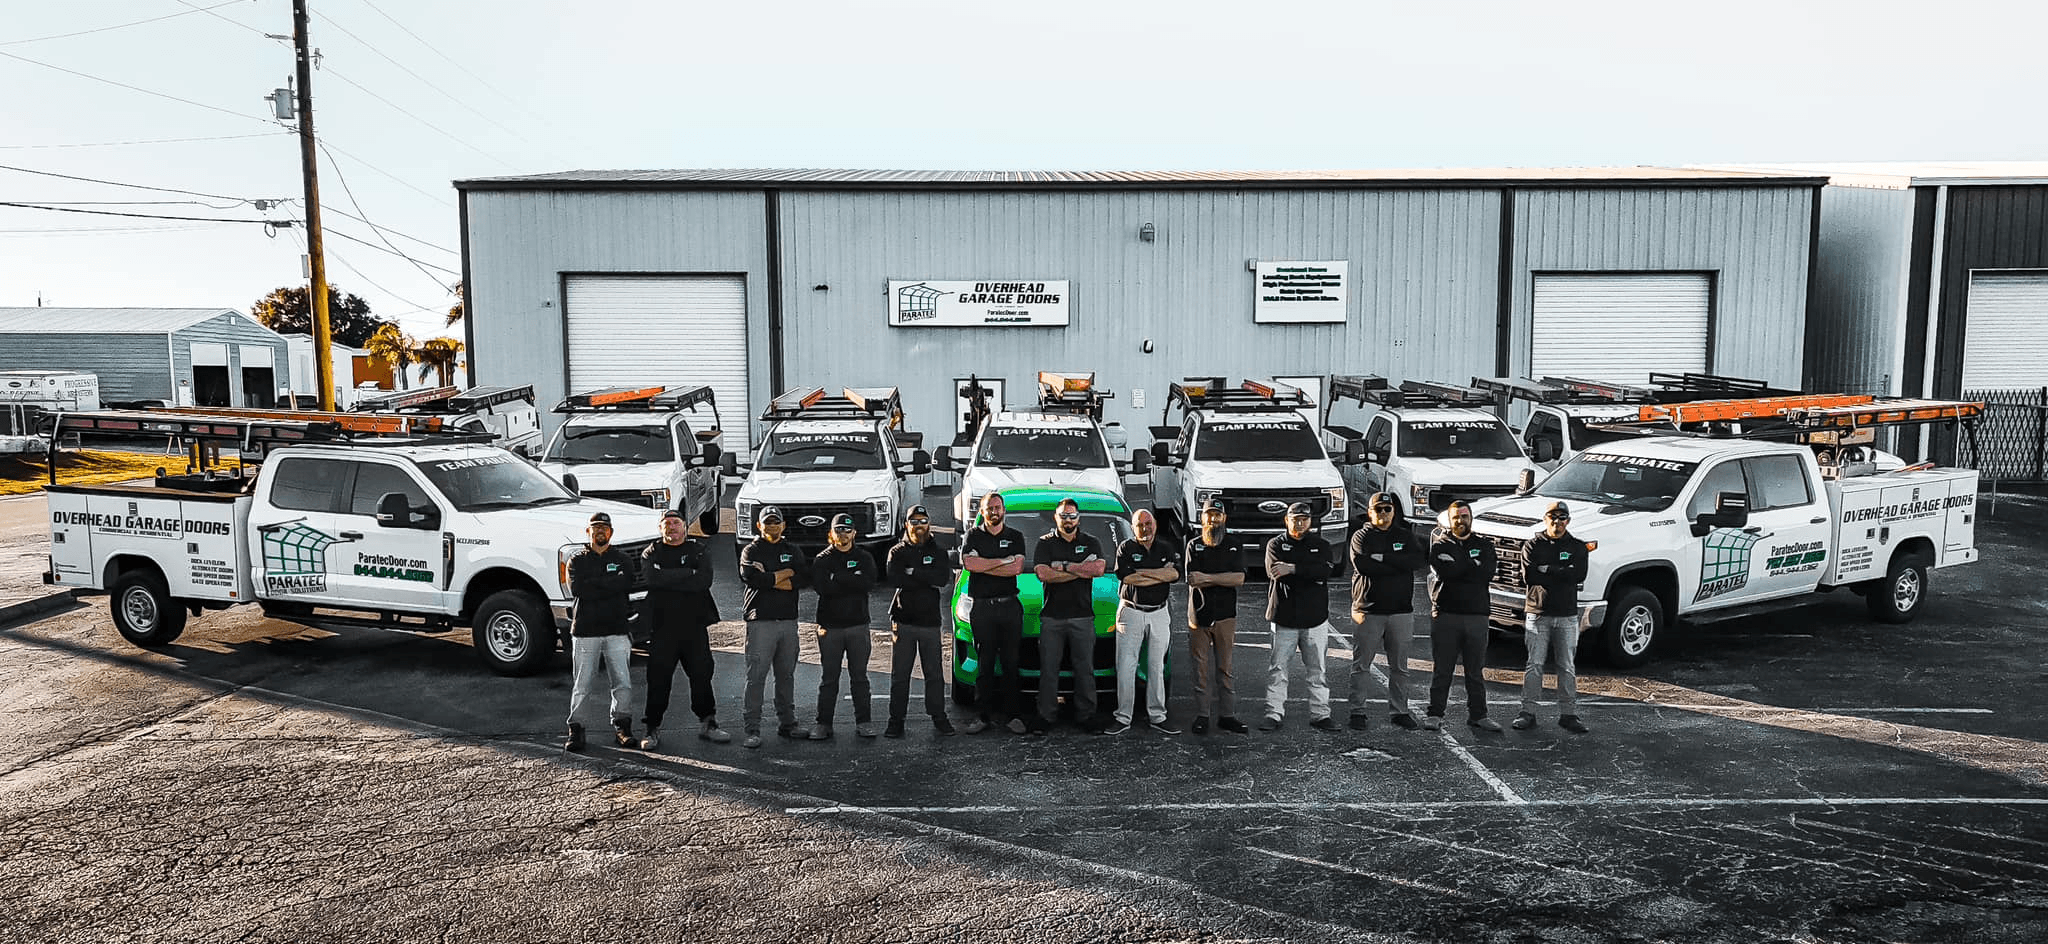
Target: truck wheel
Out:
[708,521]
[143,609]
[513,633]
[1897,597]
[1635,620]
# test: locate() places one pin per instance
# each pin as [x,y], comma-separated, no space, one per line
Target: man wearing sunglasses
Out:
[1067,561]
[1298,567]
[842,574]
[1556,567]
[1463,564]
[920,570]
[1385,555]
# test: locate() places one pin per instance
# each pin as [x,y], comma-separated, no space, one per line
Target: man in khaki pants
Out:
[1215,567]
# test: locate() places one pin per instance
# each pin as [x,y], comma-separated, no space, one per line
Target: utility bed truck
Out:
[342,525]
[1062,444]
[1426,443]
[1705,527]
[826,456]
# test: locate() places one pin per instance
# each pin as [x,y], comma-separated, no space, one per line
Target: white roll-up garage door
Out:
[2006,344]
[1619,328]
[662,330]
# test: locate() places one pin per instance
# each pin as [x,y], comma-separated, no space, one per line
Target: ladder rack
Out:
[1071,393]
[861,402]
[1214,393]
[629,399]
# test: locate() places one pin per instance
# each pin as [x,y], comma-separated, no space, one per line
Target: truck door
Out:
[292,531]
[1715,571]
[1545,428]
[1792,520]
[698,483]
[387,567]
[1379,450]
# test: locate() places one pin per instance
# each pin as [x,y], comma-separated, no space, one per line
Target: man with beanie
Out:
[842,574]
[1298,566]
[920,570]
[1556,566]
[1463,564]
[1215,571]
[680,608]
[1384,558]
[771,569]
[601,582]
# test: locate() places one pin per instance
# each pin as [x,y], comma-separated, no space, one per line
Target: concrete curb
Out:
[31,608]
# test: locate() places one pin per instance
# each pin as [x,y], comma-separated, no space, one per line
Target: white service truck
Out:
[1062,443]
[1703,528]
[825,456]
[505,412]
[656,447]
[333,530]
[1428,444]
[1250,447]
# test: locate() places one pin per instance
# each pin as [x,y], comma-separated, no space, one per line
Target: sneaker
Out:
[1432,723]
[753,740]
[1200,727]
[895,728]
[1017,726]
[1270,724]
[1484,724]
[1523,721]
[794,732]
[944,726]
[1326,724]
[1360,722]
[866,729]
[1114,728]
[1572,723]
[574,744]
[1232,725]
[821,732]
[1404,721]
[974,726]
[651,741]
[713,733]
[1166,728]
[1040,727]
[622,734]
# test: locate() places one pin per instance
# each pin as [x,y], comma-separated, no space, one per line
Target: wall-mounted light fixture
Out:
[1147,347]
[821,287]
[1148,232]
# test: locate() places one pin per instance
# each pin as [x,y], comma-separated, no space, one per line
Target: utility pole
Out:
[316,294]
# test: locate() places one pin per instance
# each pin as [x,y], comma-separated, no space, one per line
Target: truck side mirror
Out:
[1543,449]
[1526,482]
[729,463]
[393,511]
[1731,510]
[569,482]
[1354,452]
[1141,462]
[1374,458]
[921,462]
[942,459]
[711,455]
[1162,453]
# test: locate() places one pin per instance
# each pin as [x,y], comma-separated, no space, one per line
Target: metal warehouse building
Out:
[758,281]
[1932,280]
[182,356]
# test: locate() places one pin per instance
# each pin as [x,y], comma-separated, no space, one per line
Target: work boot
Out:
[1232,725]
[943,725]
[1360,722]
[1484,724]
[865,729]
[713,733]
[1572,723]
[895,728]
[821,732]
[575,742]
[753,740]
[1404,720]
[622,733]
[651,741]
[1524,721]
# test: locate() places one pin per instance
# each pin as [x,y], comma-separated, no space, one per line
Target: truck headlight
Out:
[1202,496]
[656,497]
[1420,494]
[973,512]
[883,511]
[1337,504]
[743,512]
[562,558]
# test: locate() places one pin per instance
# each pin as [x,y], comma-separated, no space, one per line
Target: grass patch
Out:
[23,474]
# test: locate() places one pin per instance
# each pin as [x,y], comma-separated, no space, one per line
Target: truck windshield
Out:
[627,444]
[1458,439]
[1039,447]
[1584,433]
[1258,440]
[1634,483]
[794,450]
[494,479]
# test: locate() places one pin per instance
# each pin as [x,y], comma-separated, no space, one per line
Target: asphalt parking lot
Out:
[1806,776]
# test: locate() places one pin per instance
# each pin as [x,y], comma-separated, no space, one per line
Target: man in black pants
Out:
[842,574]
[679,605]
[1463,563]
[1067,563]
[993,554]
[920,571]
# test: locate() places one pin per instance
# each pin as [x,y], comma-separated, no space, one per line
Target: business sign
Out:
[977,304]
[1301,292]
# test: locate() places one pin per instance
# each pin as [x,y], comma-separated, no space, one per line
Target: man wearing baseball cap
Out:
[1463,564]
[680,609]
[842,574]
[771,569]
[1385,555]
[1555,567]
[1298,568]
[1215,571]
[920,570]
[601,582]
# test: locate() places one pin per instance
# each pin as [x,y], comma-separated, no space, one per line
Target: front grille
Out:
[794,528]
[633,551]
[1502,518]
[1511,560]
[1242,505]
[1443,496]
[631,496]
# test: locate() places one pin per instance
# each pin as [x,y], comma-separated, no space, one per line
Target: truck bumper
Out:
[563,610]
[1508,609]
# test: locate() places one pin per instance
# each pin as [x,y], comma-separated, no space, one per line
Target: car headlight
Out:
[657,497]
[1420,494]
[562,558]
[1337,505]
[963,606]
[883,511]
[743,511]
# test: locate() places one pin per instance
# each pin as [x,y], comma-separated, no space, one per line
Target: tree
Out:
[437,356]
[286,311]
[394,347]
[456,313]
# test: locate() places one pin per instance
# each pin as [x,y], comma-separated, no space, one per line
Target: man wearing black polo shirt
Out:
[1298,566]
[1147,568]
[1068,561]
[1215,571]
[993,554]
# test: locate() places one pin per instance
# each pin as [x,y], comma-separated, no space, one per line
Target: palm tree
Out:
[393,346]
[437,356]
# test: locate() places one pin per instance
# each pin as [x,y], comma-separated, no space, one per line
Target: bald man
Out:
[1146,569]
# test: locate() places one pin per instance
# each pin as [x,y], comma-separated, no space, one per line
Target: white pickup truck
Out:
[1428,444]
[1250,448]
[826,456]
[1062,443]
[396,533]
[1702,528]
[656,447]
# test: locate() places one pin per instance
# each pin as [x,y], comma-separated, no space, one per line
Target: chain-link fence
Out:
[2012,438]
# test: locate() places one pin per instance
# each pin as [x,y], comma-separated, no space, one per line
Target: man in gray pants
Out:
[1067,562]
[1384,558]
[1556,564]
[772,569]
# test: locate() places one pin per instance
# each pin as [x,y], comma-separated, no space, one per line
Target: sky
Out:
[414,94]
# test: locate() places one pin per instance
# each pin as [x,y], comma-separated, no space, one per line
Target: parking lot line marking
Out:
[1481,850]
[1852,831]
[1400,806]
[1362,873]
[1730,708]
[1499,786]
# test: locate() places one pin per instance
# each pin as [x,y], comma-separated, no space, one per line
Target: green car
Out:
[1029,509]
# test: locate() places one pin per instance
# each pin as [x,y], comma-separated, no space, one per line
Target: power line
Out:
[134,88]
[376,226]
[144,216]
[436,50]
[217,137]
[393,177]
[437,129]
[365,242]
[331,254]
[351,194]
[167,16]
[329,20]
[224,18]
[116,183]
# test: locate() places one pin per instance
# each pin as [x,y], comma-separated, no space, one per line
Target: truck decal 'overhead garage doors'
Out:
[1619,328]
[2006,346]
[646,330]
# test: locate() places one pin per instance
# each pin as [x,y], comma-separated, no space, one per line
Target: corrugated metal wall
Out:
[234,331]
[1424,267]
[1855,330]
[129,366]
[1754,240]
[521,243]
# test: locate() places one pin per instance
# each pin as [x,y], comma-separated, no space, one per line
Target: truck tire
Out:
[143,610]
[513,633]
[708,521]
[1897,598]
[1635,625]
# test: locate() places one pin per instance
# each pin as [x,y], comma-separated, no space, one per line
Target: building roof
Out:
[105,320]
[1900,175]
[846,179]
